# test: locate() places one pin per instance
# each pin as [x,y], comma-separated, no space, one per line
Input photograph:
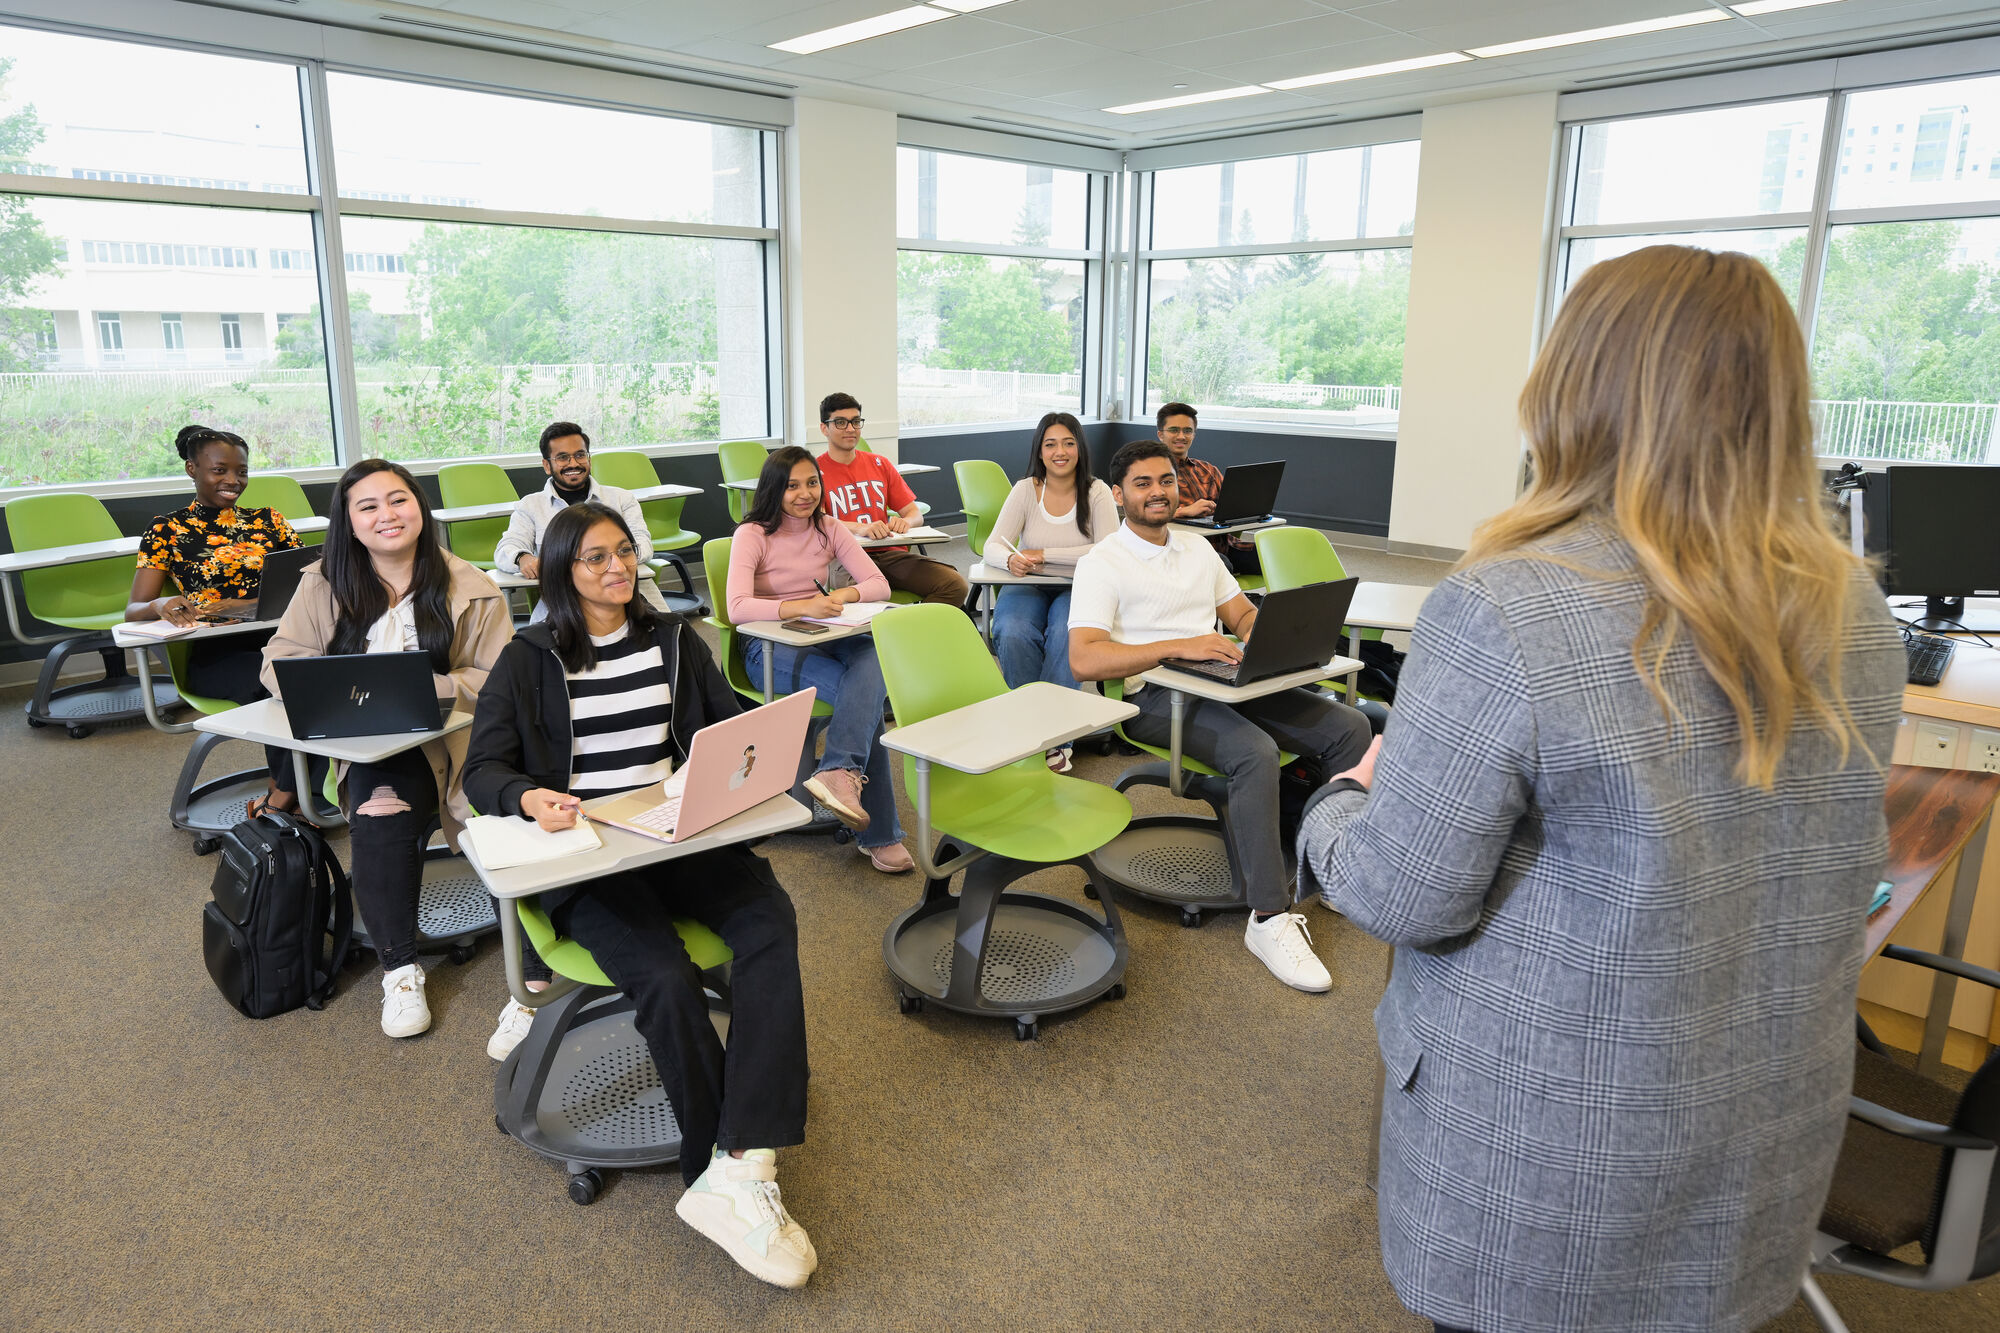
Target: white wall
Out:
[840,266]
[1476,272]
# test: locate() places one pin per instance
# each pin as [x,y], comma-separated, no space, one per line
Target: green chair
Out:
[274,490]
[922,508]
[206,809]
[741,460]
[624,1119]
[633,472]
[982,488]
[475,484]
[90,596]
[991,950]
[715,568]
[1182,860]
[1295,557]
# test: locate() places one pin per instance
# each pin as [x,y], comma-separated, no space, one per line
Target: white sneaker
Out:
[404,1013]
[1283,945]
[735,1203]
[515,1020]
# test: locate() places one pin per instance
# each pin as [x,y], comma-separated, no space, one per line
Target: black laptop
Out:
[1249,492]
[1296,629]
[276,583]
[359,694]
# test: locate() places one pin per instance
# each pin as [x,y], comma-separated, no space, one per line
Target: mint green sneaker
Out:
[735,1203]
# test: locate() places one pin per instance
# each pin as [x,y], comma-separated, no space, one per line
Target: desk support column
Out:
[308,798]
[1353,651]
[1957,923]
[144,654]
[1177,703]
[770,671]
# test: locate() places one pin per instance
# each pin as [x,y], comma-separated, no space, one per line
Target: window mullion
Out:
[336,327]
[1817,229]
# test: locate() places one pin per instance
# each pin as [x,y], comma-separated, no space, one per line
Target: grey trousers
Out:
[1241,742]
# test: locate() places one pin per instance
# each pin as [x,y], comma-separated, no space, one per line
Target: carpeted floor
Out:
[1190,1157]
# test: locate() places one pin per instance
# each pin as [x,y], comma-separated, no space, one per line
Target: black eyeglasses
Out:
[627,554]
[1178,430]
[847,423]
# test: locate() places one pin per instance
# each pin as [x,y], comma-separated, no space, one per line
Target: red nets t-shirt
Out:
[868,488]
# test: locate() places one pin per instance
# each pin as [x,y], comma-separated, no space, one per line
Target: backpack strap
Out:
[330,885]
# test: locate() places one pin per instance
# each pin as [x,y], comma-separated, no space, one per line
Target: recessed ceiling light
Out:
[968,6]
[1756,7]
[1220,95]
[1600,34]
[1370,71]
[1180,85]
[861,30]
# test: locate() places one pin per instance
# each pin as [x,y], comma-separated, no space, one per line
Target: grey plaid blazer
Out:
[1619,1034]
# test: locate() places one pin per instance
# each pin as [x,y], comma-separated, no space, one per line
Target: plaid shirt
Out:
[1199,479]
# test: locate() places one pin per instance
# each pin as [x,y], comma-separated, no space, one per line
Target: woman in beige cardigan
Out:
[387,585]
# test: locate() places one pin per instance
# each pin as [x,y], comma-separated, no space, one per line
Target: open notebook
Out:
[509,840]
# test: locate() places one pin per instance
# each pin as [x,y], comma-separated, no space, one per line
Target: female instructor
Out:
[1623,833]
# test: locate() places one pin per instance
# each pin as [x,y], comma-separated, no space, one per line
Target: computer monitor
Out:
[1944,541]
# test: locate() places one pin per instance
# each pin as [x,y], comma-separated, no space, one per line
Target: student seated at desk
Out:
[1044,529]
[1148,593]
[387,585]
[1200,482]
[777,569]
[566,460]
[214,553]
[868,496]
[602,697]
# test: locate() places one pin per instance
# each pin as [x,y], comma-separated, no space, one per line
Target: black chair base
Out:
[83,707]
[1002,954]
[685,602]
[453,909]
[207,809]
[1180,860]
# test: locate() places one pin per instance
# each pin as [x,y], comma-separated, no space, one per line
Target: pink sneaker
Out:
[891,858]
[839,790]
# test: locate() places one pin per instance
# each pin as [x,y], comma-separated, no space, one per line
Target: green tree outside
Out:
[26,252]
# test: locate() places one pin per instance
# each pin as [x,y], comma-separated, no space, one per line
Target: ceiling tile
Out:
[1279,41]
[1065,16]
[1033,59]
[1320,60]
[1206,21]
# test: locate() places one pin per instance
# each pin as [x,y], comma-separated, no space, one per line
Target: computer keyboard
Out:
[1928,655]
[1222,671]
[662,817]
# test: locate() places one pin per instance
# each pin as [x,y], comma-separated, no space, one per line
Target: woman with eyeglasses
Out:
[387,585]
[1051,518]
[777,571]
[601,697]
[214,551]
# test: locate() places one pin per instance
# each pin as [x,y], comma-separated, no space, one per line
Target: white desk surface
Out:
[506,582]
[265,723]
[907,469]
[996,732]
[50,557]
[997,574]
[123,636]
[623,850]
[1201,687]
[671,490]
[1387,605]
[901,539]
[1255,524]
[467,513]
[739,485]
[773,631]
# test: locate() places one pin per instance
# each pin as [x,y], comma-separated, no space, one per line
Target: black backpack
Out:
[279,893]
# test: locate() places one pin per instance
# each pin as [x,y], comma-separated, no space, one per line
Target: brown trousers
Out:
[932,580]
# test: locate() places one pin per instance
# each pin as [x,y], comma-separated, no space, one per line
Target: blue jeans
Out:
[1031,635]
[848,676]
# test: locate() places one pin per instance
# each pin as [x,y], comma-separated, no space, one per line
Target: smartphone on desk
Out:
[802,626]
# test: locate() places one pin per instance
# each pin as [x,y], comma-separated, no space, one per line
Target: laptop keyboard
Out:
[1222,671]
[662,818]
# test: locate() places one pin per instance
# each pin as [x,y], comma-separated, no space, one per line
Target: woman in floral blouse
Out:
[214,554]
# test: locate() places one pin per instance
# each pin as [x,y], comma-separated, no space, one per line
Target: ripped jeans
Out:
[390,804]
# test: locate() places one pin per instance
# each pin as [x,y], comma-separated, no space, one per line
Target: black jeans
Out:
[387,850]
[752,1094]
[227,669]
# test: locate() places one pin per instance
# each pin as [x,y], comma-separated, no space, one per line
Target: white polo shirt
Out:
[1141,593]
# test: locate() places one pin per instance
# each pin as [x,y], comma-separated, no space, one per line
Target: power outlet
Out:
[1984,754]
[1935,745]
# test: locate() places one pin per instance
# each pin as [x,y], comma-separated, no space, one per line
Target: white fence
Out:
[1887,432]
[585,376]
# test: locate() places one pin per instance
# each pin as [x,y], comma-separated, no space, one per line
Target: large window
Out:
[1888,245]
[503,261]
[1277,287]
[991,288]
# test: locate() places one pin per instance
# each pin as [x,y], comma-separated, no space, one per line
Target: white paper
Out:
[505,840]
[854,613]
[158,629]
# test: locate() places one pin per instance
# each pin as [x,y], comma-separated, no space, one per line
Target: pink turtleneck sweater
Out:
[767,569]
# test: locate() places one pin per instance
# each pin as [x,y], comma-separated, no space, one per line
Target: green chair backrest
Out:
[741,460]
[635,471]
[933,661]
[1294,557]
[475,484]
[622,467]
[982,489]
[67,593]
[274,490]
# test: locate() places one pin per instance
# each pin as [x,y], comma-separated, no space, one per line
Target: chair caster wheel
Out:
[1090,892]
[501,1125]
[584,1186]
[37,723]
[203,846]
[77,733]
[1117,991]
[1025,1029]
[843,835]
[1190,917]
[463,953]
[909,1004]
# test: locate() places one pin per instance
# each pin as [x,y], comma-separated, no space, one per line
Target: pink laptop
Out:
[731,767]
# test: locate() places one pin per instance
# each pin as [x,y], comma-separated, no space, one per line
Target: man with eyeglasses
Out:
[1200,482]
[566,460]
[864,491]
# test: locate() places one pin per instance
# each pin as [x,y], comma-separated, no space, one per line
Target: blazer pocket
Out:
[1401,1051]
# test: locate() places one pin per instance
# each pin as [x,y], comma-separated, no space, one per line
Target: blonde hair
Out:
[1671,402]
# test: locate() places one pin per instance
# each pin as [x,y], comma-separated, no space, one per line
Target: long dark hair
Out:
[1040,470]
[767,507]
[560,543]
[358,591]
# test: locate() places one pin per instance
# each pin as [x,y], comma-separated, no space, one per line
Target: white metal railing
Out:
[582,375]
[1903,432]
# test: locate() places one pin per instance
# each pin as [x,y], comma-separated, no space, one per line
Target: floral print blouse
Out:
[215,554]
